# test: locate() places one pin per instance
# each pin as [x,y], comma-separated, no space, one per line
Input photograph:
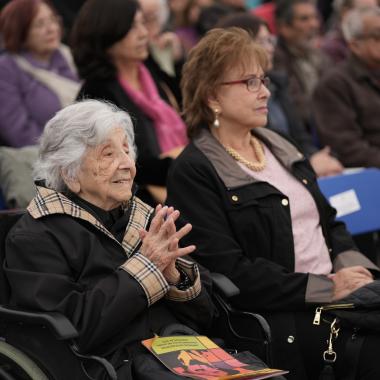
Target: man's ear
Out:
[73,184]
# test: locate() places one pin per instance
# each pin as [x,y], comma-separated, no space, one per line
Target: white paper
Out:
[345,203]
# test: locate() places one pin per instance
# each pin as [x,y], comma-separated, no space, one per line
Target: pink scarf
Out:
[170,129]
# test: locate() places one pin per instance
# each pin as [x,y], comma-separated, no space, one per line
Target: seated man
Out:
[347,100]
[297,52]
[91,250]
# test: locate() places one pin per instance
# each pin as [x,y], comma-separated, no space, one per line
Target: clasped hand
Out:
[160,244]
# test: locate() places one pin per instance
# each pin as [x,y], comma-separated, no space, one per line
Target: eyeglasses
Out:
[253,83]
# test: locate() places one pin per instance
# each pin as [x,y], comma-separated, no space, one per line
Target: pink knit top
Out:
[311,252]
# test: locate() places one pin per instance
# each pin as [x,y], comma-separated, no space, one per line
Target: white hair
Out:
[75,128]
[353,23]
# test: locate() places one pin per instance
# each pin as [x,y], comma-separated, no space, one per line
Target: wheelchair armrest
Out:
[61,328]
[224,285]
[59,325]
[225,289]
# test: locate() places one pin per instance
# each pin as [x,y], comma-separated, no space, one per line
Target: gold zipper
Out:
[319,309]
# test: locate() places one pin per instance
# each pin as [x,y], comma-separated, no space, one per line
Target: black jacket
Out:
[73,265]
[242,228]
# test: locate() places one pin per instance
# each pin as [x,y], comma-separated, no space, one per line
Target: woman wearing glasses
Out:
[257,213]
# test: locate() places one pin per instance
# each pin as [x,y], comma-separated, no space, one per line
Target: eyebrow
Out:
[248,76]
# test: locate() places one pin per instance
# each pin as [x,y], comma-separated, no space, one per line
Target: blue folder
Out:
[360,188]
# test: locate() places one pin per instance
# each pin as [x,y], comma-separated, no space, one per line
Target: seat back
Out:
[7,219]
[355,195]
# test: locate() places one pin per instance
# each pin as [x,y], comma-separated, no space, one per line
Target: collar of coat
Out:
[50,202]
[228,169]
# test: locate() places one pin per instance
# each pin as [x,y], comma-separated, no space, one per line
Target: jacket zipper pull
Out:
[317,316]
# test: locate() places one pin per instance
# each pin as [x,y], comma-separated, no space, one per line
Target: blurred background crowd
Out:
[324,70]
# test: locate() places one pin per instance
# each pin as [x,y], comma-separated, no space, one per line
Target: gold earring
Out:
[216,123]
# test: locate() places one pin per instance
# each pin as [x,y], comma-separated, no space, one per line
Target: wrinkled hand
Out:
[348,280]
[160,244]
[324,164]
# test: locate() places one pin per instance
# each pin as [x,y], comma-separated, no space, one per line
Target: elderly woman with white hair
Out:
[91,250]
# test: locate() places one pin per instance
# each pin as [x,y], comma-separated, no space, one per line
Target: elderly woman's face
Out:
[44,34]
[106,175]
[239,106]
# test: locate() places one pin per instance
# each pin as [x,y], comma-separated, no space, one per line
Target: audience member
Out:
[333,43]
[258,215]
[184,17]
[37,75]
[91,250]
[164,46]
[211,15]
[110,43]
[282,116]
[166,55]
[297,51]
[347,100]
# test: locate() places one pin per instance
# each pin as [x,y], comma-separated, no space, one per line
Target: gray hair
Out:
[353,23]
[74,129]
[163,13]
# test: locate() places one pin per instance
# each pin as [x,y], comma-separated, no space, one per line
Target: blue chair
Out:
[356,196]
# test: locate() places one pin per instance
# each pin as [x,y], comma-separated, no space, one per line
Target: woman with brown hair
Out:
[37,74]
[257,213]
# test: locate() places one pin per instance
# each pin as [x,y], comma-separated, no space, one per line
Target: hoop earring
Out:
[216,123]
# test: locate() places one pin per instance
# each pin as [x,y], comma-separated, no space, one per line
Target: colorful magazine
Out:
[197,357]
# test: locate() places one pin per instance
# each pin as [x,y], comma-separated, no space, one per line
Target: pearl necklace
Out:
[259,153]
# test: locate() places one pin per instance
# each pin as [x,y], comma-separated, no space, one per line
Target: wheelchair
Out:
[41,346]
[23,356]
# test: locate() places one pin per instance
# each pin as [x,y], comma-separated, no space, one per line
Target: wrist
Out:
[174,277]
[184,282]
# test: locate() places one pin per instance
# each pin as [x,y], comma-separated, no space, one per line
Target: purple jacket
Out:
[25,103]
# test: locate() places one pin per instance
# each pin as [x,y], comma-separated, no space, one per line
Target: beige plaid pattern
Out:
[148,276]
[192,271]
[49,202]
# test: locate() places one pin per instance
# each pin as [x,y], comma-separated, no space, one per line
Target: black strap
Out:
[351,355]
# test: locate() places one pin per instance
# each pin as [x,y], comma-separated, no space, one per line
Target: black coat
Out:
[242,228]
[65,263]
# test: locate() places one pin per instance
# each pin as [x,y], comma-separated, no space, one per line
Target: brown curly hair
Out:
[208,61]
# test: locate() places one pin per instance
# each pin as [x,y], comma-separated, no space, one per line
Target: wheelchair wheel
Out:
[14,364]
